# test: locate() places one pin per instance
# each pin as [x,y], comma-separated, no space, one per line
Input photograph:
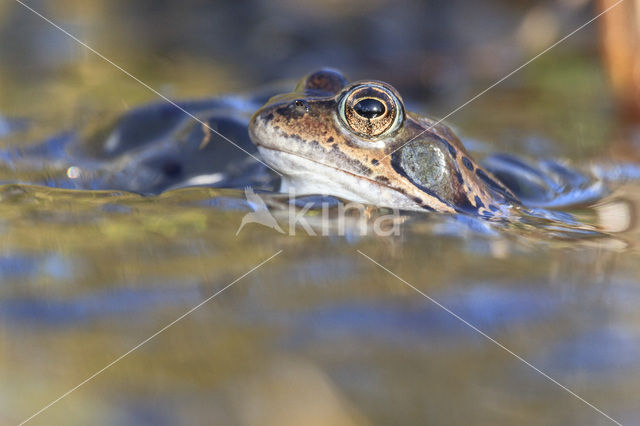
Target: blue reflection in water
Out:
[316,270]
[26,267]
[158,410]
[8,126]
[92,306]
[17,266]
[5,128]
[489,309]
[597,350]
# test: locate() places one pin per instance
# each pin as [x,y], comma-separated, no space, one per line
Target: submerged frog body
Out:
[357,141]
[150,149]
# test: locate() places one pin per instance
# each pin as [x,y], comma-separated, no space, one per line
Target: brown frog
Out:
[357,141]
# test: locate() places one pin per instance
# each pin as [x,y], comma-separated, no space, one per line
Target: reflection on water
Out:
[89,267]
[87,275]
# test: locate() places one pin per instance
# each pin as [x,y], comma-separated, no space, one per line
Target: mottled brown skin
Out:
[307,123]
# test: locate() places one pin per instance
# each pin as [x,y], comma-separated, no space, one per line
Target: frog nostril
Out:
[369,108]
[302,104]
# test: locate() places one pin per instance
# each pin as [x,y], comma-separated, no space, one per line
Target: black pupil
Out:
[369,108]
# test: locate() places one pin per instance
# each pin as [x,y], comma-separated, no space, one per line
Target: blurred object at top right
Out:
[620,41]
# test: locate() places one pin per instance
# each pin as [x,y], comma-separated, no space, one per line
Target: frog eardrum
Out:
[371,110]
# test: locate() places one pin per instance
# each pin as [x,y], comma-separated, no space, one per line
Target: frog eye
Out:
[371,110]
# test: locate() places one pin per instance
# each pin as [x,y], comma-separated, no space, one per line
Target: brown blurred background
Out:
[438,53]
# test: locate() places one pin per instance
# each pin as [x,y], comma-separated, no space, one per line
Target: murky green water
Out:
[319,334]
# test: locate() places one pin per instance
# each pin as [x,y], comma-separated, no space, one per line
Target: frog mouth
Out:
[309,176]
[280,152]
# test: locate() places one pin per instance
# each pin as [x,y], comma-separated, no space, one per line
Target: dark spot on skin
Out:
[382,179]
[467,163]
[452,150]
[365,170]
[350,143]
[276,127]
[493,208]
[315,143]
[375,162]
[269,117]
[330,139]
[291,136]
[361,168]
[479,203]
[291,111]
[335,147]
[417,200]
